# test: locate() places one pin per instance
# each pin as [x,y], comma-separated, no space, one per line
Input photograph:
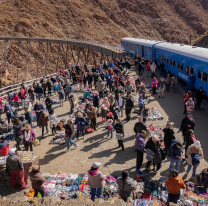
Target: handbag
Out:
[119,136]
[30,142]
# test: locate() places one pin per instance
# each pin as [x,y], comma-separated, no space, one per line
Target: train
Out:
[181,60]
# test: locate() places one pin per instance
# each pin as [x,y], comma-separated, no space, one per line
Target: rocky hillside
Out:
[105,20]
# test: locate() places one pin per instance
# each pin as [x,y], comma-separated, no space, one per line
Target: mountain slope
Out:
[105,20]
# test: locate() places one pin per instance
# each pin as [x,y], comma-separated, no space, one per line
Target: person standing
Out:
[96,102]
[174,83]
[126,186]
[189,139]
[176,154]
[120,103]
[61,97]
[129,106]
[148,66]
[168,82]
[154,85]
[49,85]
[69,131]
[161,86]
[100,86]
[37,181]
[93,117]
[140,147]
[28,116]
[168,137]
[194,153]
[44,122]
[67,90]
[39,91]
[200,96]
[174,184]
[191,82]
[141,104]
[190,105]
[28,136]
[153,145]
[80,122]
[139,126]
[96,180]
[49,103]
[53,121]
[38,108]
[15,166]
[119,133]
[185,99]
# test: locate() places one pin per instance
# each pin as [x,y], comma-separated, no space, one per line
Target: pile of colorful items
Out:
[153,114]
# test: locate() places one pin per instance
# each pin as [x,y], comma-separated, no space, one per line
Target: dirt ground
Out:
[96,147]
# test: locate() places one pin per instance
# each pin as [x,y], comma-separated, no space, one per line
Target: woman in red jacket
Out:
[4,147]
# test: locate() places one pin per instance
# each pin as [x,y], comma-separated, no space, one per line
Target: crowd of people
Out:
[108,91]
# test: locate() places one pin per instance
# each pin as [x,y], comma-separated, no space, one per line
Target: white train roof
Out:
[140,41]
[186,50]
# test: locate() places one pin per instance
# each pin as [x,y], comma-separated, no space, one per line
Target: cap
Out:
[12,151]
[155,138]
[197,144]
[96,164]
[110,113]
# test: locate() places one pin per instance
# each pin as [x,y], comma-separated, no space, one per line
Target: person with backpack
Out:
[126,186]
[49,103]
[168,137]
[69,131]
[174,184]
[61,97]
[176,154]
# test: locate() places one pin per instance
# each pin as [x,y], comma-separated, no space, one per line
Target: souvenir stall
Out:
[28,158]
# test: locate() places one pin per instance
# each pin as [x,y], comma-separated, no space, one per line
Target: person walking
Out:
[189,139]
[148,66]
[37,181]
[176,154]
[141,104]
[49,103]
[140,147]
[168,82]
[174,184]
[61,97]
[120,103]
[28,136]
[69,131]
[44,122]
[96,180]
[119,133]
[8,111]
[129,106]
[53,121]
[93,117]
[80,122]
[194,153]
[169,136]
[126,186]
[154,85]
[200,96]
[28,116]
[16,168]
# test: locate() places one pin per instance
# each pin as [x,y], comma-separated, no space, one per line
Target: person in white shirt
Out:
[120,103]
[153,67]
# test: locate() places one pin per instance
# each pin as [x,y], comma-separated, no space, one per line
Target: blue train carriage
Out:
[184,60]
[142,47]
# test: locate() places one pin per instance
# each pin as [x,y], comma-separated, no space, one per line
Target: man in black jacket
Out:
[89,79]
[139,126]
[129,106]
[200,96]
[39,91]
[38,108]
[49,103]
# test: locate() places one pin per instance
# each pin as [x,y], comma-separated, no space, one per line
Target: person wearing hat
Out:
[15,166]
[96,180]
[194,153]
[37,180]
[185,99]
[153,145]
[190,105]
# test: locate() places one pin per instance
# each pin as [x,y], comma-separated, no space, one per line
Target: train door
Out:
[142,51]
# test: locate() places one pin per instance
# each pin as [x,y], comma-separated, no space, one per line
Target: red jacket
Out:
[186,97]
[148,67]
[5,149]
[22,92]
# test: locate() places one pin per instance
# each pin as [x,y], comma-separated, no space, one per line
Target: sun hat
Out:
[197,144]
[12,151]
[96,164]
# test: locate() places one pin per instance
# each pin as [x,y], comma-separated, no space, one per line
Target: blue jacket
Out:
[80,123]
[140,101]
[191,79]
[40,108]
[175,152]
[107,77]
[195,159]
[86,94]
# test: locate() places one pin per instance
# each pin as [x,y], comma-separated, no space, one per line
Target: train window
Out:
[166,60]
[199,74]
[189,70]
[180,66]
[161,57]
[172,62]
[132,47]
[204,77]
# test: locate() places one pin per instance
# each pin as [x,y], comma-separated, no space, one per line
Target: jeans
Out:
[69,141]
[61,101]
[43,129]
[172,163]
[168,85]
[110,132]
[96,191]
[194,170]
[121,110]
[148,73]
[79,131]
[49,91]
[41,95]
[41,190]
[189,87]
[140,156]
[8,117]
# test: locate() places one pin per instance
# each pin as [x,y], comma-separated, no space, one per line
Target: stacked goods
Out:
[154,114]
[5,178]
[27,156]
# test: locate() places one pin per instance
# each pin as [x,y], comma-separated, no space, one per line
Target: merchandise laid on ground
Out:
[72,186]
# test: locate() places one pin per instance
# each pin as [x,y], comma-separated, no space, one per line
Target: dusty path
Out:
[96,147]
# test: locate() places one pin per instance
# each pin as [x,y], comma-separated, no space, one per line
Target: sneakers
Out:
[67,150]
[139,171]
[76,146]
